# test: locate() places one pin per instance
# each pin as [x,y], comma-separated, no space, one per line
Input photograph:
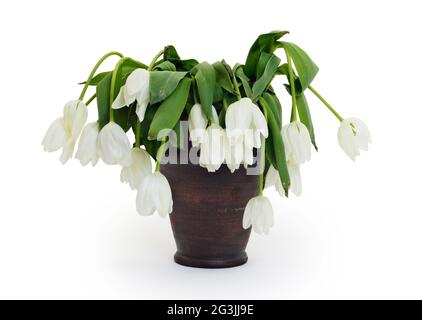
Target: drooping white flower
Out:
[198,122]
[273,179]
[136,88]
[297,142]
[213,148]
[139,168]
[154,194]
[64,132]
[87,148]
[113,145]
[245,123]
[259,214]
[353,135]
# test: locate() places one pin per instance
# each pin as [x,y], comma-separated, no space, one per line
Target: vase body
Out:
[207,214]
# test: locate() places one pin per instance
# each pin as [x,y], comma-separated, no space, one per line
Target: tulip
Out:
[259,214]
[87,148]
[198,123]
[273,179]
[135,89]
[113,145]
[139,168]
[154,194]
[297,142]
[353,135]
[64,132]
[213,148]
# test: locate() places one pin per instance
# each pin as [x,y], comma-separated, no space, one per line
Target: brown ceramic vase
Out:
[207,214]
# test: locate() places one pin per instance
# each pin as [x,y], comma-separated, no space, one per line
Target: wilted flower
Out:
[64,132]
[297,142]
[113,145]
[273,179]
[87,148]
[198,123]
[259,214]
[154,194]
[213,148]
[139,168]
[353,135]
[136,88]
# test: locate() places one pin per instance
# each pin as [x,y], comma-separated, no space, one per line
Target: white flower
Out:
[113,145]
[213,148]
[139,168]
[273,179]
[259,214]
[64,132]
[198,123]
[297,142]
[245,123]
[87,148]
[353,135]
[136,88]
[154,194]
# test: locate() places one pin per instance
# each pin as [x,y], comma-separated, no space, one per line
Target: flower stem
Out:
[160,154]
[113,84]
[339,117]
[138,134]
[90,99]
[154,60]
[94,70]
[292,88]
[262,161]
[236,87]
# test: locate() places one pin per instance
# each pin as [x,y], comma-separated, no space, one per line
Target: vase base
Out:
[210,263]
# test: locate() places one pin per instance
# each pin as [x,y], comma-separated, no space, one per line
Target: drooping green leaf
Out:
[151,146]
[171,55]
[275,106]
[262,63]
[170,110]
[238,69]
[121,116]
[205,79]
[97,78]
[165,66]
[276,151]
[264,43]
[305,116]
[264,81]
[218,94]
[223,76]
[305,67]
[163,83]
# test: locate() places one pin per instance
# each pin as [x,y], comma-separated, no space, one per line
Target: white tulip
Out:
[139,168]
[113,145]
[198,122]
[64,132]
[87,148]
[353,135]
[297,142]
[273,179]
[154,194]
[213,148]
[259,214]
[135,89]
[245,123]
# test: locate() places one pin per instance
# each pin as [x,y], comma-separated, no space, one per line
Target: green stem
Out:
[138,134]
[225,104]
[195,95]
[160,154]
[94,70]
[154,60]
[261,176]
[236,87]
[339,117]
[90,99]
[112,85]
[292,88]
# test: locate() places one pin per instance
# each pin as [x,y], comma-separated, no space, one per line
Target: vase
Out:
[207,214]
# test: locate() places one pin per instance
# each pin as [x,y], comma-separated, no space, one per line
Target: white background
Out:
[73,232]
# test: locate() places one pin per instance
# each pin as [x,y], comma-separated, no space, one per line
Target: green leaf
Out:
[123,72]
[171,55]
[264,43]
[165,66]
[95,80]
[238,70]
[276,152]
[163,83]
[305,116]
[275,106]
[205,81]
[262,63]
[305,67]
[264,81]
[170,110]
[121,116]
[223,76]
[151,146]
